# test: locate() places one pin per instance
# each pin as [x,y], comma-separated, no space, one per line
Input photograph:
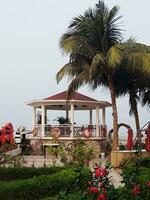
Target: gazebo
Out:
[70,129]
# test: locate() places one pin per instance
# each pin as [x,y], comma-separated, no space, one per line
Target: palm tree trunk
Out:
[136,116]
[115,114]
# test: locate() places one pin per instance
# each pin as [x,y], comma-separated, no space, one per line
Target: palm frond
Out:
[77,44]
[132,46]
[146,98]
[115,55]
[77,22]
[77,82]
[97,62]
[72,69]
[135,62]
[63,72]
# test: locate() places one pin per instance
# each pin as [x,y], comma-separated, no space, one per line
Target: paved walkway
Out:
[116,178]
[40,161]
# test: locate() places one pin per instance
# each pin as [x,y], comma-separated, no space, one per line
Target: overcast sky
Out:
[30,57]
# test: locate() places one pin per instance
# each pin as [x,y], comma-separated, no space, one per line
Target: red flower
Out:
[103,172]
[136,190]
[94,189]
[102,197]
[97,172]
[148,184]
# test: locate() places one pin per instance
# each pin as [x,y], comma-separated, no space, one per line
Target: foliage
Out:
[100,187]
[98,57]
[130,174]
[75,152]
[62,120]
[131,78]
[93,43]
[144,174]
[122,147]
[136,192]
[136,183]
[56,151]
[144,162]
[17,173]
[136,180]
[81,153]
[71,196]
[40,187]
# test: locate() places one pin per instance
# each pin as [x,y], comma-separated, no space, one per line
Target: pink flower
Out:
[104,190]
[89,183]
[136,190]
[102,197]
[101,184]
[94,189]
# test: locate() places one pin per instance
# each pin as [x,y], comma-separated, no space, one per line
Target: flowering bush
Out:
[136,190]
[100,187]
[136,180]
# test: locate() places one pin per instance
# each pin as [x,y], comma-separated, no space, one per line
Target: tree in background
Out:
[93,45]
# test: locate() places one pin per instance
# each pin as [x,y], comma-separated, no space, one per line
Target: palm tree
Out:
[127,83]
[131,77]
[93,45]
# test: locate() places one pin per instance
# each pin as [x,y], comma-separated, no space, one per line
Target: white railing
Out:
[65,130]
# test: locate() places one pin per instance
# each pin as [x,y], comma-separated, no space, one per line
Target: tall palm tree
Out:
[93,44]
[132,77]
[127,83]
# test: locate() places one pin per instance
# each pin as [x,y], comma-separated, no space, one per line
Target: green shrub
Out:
[16,173]
[137,181]
[144,174]
[40,187]
[144,162]
[136,171]
[123,193]
[71,196]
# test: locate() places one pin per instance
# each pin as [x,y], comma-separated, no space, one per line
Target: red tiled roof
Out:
[76,96]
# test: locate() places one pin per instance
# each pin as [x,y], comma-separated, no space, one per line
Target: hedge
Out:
[16,173]
[43,186]
[71,196]
[144,162]
[144,174]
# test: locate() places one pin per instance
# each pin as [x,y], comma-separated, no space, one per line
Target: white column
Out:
[90,117]
[97,121]
[103,117]
[72,120]
[43,121]
[33,118]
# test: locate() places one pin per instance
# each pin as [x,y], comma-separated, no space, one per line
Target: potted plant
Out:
[62,120]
